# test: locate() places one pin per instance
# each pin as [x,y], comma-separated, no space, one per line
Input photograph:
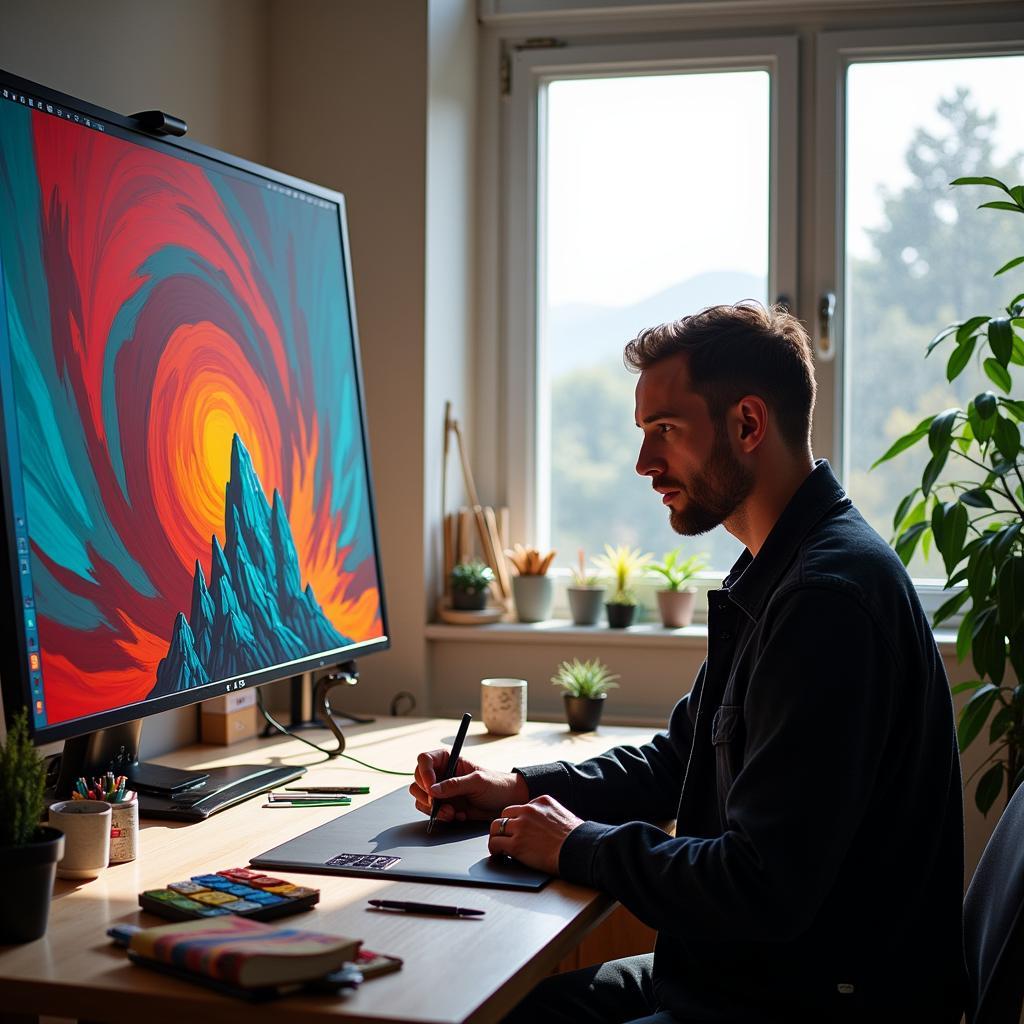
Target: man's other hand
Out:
[473,793]
[533,833]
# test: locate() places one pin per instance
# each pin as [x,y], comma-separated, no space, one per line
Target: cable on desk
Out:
[328,754]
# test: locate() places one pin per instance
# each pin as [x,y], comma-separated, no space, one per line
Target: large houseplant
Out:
[976,523]
[28,851]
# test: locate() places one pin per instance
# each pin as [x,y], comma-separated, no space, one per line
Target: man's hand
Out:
[472,793]
[533,833]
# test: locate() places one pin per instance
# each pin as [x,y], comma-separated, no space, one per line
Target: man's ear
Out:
[751,414]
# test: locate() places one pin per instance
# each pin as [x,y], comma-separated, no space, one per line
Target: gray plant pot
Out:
[584,713]
[585,604]
[533,597]
[676,607]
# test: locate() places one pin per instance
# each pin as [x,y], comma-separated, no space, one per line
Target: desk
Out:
[455,970]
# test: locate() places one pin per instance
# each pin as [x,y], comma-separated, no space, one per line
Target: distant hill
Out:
[581,335]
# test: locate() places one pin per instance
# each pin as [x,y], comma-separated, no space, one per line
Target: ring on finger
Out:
[502,822]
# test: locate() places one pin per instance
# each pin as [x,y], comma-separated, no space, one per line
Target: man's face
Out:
[687,456]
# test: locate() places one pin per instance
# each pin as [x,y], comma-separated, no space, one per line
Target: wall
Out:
[204,60]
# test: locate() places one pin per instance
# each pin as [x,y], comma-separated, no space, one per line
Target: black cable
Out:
[328,754]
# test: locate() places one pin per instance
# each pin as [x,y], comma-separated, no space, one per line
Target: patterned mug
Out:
[503,705]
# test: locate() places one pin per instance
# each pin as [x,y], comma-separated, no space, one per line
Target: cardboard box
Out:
[229,719]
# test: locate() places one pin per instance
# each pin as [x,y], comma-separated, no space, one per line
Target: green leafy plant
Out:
[22,783]
[584,678]
[976,523]
[471,577]
[677,570]
[580,576]
[622,563]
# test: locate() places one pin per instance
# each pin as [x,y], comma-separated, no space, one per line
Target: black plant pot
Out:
[28,872]
[469,600]
[584,713]
[620,615]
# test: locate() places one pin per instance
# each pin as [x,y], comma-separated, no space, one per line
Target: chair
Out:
[994,923]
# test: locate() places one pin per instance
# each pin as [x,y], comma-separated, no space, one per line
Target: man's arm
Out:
[626,783]
[817,715]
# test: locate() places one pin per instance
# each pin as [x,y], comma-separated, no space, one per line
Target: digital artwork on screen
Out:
[179,350]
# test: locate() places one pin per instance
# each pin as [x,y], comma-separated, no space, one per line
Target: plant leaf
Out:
[902,509]
[955,524]
[974,714]
[907,541]
[1007,438]
[959,358]
[941,336]
[1010,594]
[1002,722]
[906,441]
[949,608]
[976,497]
[968,327]
[995,182]
[1013,407]
[1000,204]
[990,785]
[997,373]
[1009,266]
[963,635]
[933,469]
[971,684]
[1000,339]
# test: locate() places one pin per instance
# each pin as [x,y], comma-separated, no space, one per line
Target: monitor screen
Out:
[186,482]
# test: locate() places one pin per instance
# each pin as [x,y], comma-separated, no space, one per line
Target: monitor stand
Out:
[164,792]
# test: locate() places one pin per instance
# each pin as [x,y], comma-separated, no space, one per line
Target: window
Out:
[656,175]
[603,145]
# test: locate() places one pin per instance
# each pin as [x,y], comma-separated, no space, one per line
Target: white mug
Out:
[503,705]
[86,828]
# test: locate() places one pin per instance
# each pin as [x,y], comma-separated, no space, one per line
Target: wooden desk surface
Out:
[455,970]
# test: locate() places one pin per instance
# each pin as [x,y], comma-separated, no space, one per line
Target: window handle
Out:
[826,316]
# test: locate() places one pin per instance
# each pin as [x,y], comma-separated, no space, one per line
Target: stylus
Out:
[453,763]
[354,790]
[424,908]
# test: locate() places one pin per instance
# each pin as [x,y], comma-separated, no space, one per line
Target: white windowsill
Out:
[560,631]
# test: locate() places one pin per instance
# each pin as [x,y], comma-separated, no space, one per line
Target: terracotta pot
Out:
[620,615]
[676,607]
[584,713]
[585,604]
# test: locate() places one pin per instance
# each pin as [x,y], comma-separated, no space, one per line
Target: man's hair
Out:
[740,350]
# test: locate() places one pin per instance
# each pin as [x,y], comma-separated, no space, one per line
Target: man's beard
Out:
[714,494]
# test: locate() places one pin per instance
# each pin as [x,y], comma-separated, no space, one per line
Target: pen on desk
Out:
[453,763]
[345,790]
[298,798]
[309,803]
[425,908]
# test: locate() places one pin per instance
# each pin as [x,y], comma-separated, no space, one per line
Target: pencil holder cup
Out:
[124,831]
[86,828]
[503,705]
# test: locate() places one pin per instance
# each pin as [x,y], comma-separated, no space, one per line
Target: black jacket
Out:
[817,866]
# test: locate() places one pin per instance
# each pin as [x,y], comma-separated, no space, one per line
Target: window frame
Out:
[526,437]
[836,51]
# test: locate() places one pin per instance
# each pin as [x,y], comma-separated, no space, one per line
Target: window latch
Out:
[826,315]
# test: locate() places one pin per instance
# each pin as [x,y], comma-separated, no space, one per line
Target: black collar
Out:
[751,579]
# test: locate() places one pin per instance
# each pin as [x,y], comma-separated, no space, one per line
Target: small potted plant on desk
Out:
[28,851]
[621,563]
[470,583]
[586,685]
[531,587]
[586,594]
[676,601]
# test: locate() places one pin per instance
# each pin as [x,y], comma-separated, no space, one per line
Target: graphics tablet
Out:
[387,838]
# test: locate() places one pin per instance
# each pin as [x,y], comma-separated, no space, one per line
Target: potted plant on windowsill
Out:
[586,685]
[586,594]
[676,601]
[531,586]
[28,851]
[621,563]
[470,583]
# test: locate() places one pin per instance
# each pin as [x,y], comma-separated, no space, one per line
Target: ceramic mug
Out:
[503,705]
[86,828]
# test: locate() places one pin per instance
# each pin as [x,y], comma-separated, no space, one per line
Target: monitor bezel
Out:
[15,679]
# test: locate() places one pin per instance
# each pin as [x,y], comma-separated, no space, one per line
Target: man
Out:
[817,865]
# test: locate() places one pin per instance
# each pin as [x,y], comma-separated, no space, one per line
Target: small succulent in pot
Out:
[586,593]
[470,582]
[586,685]
[676,600]
[622,563]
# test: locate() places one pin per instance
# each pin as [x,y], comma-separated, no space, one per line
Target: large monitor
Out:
[187,497]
